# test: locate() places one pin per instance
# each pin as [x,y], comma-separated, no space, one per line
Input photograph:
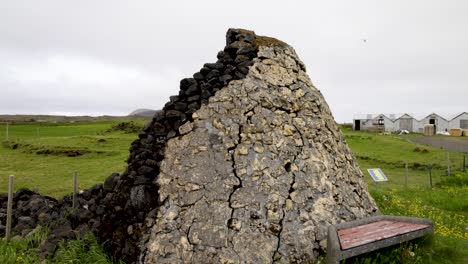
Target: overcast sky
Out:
[112,57]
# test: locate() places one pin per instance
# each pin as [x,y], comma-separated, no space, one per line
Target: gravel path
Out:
[449,143]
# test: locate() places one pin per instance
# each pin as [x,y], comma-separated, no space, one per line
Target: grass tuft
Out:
[27,250]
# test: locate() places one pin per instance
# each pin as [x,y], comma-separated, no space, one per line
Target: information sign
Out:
[377,174]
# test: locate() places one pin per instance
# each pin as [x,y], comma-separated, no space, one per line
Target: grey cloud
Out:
[414,57]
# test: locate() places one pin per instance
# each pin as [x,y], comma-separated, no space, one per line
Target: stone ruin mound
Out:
[245,165]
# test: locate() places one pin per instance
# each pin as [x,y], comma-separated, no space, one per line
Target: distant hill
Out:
[143,112]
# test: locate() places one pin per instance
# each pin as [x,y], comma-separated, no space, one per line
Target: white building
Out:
[373,122]
[440,123]
[459,121]
[410,122]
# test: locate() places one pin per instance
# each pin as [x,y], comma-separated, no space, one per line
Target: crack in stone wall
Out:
[231,222]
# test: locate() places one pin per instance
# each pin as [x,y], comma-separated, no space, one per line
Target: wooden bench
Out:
[353,238]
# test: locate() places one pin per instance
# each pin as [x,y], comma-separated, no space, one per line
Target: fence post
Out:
[6,131]
[9,208]
[406,175]
[75,176]
[448,164]
[430,175]
[464,163]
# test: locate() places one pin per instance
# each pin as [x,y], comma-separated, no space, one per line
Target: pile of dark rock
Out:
[31,210]
[122,209]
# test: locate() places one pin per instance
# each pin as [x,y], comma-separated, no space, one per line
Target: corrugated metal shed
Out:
[413,122]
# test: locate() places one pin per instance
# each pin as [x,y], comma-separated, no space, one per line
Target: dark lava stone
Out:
[193,107]
[220,55]
[192,90]
[174,98]
[243,70]
[169,106]
[141,180]
[205,94]
[245,64]
[230,69]
[186,83]
[241,58]
[100,210]
[193,98]
[212,74]
[239,75]
[225,78]
[247,38]
[145,170]
[96,188]
[175,114]
[171,134]
[205,71]
[215,66]
[180,106]
[159,129]
[198,76]
[245,50]
[110,182]
[212,82]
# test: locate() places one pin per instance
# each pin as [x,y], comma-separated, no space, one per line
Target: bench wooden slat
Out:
[358,228]
[370,229]
[357,236]
[349,239]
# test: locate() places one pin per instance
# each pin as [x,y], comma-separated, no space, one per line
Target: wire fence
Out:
[421,174]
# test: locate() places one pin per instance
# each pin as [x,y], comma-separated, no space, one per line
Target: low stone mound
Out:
[244,165]
[126,127]
[41,149]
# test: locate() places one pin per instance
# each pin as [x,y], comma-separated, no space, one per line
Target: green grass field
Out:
[45,155]
[104,153]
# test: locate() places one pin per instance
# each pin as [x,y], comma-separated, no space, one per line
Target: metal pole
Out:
[9,208]
[75,176]
[430,175]
[448,163]
[406,175]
